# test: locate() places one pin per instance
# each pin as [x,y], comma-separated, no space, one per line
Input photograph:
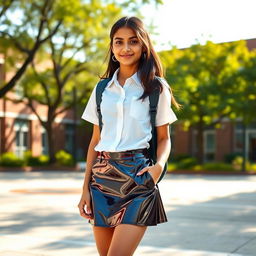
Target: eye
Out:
[134,41]
[118,42]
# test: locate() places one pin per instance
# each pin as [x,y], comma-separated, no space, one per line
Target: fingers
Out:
[88,208]
[82,213]
[143,170]
[85,213]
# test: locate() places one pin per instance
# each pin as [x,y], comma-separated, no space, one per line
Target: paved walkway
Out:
[208,216]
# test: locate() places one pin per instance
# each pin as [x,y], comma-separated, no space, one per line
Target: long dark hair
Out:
[149,65]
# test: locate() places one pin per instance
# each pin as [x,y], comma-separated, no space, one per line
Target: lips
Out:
[127,55]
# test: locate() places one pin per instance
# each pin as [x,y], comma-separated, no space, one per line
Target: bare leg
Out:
[125,239]
[103,237]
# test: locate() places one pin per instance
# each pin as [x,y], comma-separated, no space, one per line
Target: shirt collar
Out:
[134,77]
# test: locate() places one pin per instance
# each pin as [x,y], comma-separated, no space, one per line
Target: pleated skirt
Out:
[119,196]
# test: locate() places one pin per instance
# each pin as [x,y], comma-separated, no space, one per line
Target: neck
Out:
[126,72]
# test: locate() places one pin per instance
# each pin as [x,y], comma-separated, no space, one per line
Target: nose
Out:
[127,47]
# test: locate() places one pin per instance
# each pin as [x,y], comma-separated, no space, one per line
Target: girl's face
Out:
[126,47]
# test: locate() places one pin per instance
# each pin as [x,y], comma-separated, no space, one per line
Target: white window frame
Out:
[21,126]
[212,151]
[44,150]
[69,133]
[248,133]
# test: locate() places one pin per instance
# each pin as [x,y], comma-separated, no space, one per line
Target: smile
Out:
[128,55]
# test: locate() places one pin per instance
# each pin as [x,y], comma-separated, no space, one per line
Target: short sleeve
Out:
[90,112]
[165,114]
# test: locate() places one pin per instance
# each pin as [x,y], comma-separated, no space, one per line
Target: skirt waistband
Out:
[123,154]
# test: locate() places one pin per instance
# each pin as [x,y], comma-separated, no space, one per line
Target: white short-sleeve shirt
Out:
[126,120]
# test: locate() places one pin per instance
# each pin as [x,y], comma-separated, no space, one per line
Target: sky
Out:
[185,22]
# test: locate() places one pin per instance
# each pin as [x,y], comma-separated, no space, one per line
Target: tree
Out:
[68,61]
[5,5]
[72,59]
[25,27]
[244,98]
[26,33]
[71,56]
[204,77]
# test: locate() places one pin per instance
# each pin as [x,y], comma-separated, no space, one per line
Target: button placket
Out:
[120,117]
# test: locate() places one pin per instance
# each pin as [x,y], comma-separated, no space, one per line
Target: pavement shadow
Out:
[14,175]
[219,224]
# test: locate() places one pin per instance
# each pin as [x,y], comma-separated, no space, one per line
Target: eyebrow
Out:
[120,38]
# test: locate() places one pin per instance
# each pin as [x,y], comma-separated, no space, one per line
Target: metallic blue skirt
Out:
[119,196]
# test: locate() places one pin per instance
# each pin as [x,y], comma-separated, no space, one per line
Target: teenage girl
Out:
[120,197]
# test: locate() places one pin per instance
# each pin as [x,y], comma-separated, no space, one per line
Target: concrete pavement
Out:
[208,215]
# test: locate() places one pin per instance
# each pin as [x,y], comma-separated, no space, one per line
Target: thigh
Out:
[103,237]
[125,239]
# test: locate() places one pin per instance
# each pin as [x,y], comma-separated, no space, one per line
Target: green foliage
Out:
[203,77]
[244,95]
[172,166]
[253,168]
[10,159]
[217,166]
[212,81]
[182,162]
[179,157]
[191,165]
[30,160]
[230,157]
[64,158]
[187,163]
[238,162]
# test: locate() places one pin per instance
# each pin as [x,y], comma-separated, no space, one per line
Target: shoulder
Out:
[164,83]
[103,82]
[101,85]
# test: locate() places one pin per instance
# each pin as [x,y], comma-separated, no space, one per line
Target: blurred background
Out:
[53,52]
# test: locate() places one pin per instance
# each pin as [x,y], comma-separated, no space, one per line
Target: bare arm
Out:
[85,202]
[163,144]
[91,156]
[163,151]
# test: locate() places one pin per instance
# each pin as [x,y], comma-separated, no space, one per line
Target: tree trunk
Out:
[244,149]
[200,143]
[75,128]
[49,130]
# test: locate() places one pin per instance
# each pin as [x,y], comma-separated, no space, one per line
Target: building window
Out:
[209,145]
[69,138]
[250,140]
[45,149]
[238,141]
[194,147]
[21,137]
[19,91]
[252,146]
